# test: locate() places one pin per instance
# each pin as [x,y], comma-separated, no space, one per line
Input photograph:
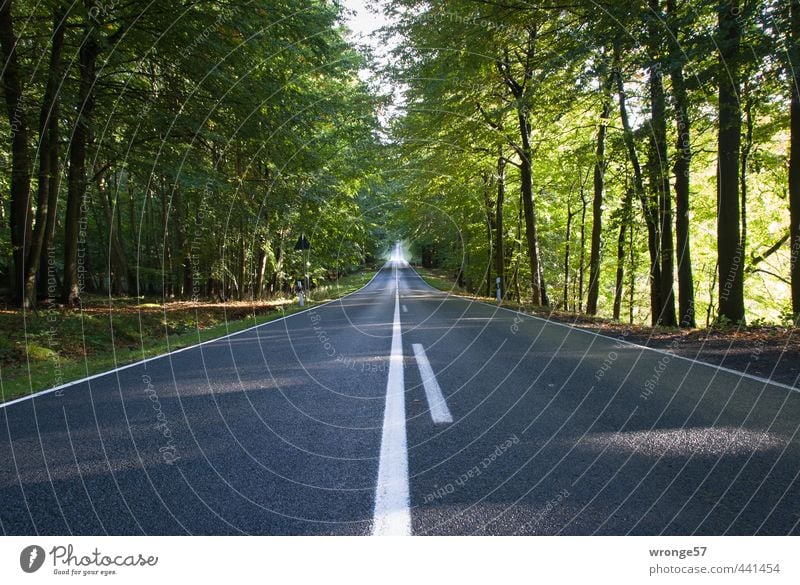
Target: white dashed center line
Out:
[436,402]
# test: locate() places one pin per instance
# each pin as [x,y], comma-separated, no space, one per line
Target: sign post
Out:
[300,293]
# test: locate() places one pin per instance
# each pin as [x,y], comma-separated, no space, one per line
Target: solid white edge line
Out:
[616,339]
[433,392]
[392,516]
[174,351]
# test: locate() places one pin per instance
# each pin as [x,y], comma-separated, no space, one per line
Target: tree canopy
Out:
[181,148]
[630,160]
[638,161]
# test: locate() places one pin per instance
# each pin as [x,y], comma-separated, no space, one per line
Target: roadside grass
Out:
[442,280]
[62,345]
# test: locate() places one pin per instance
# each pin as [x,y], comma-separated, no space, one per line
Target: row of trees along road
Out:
[179,147]
[606,156]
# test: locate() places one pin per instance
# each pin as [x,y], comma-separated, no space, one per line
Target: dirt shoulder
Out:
[771,352]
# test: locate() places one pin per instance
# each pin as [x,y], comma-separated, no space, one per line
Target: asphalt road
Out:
[286,429]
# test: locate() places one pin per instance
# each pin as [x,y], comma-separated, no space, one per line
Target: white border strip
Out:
[436,401]
[392,516]
[187,348]
[615,339]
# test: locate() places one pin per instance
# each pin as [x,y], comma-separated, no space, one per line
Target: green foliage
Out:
[220,132]
[459,113]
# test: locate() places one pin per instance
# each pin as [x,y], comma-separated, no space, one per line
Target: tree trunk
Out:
[731,289]
[794,157]
[242,269]
[519,254]
[499,247]
[746,101]
[179,209]
[53,191]
[531,235]
[659,169]
[491,225]
[47,142]
[277,282]
[597,203]
[20,196]
[567,239]
[582,263]
[624,220]
[261,269]
[681,168]
[632,282]
[518,90]
[647,208]
[76,178]
[118,263]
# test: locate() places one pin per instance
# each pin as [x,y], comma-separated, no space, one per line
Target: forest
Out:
[638,161]
[634,160]
[179,149]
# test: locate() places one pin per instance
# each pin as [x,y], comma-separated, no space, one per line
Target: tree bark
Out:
[118,263]
[647,208]
[48,140]
[20,196]
[500,268]
[682,170]
[491,225]
[529,208]
[261,269]
[597,202]
[179,208]
[794,156]
[582,262]
[53,191]
[76,178]
[624,220]
[567,239]
[659,168]
[731,288]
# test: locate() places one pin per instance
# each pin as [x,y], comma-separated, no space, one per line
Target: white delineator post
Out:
[499,292]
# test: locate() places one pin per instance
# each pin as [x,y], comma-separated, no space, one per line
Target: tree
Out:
[76,178]
[794,154]
[186,146]
[731,267]
[681,169]
[659,166]
[20,200]
[648,209]
[600,164]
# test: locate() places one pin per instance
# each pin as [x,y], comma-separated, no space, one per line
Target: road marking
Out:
[405,309]
[436,402]
[392,516]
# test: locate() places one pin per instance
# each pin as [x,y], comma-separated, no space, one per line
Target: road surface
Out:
[402,410]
